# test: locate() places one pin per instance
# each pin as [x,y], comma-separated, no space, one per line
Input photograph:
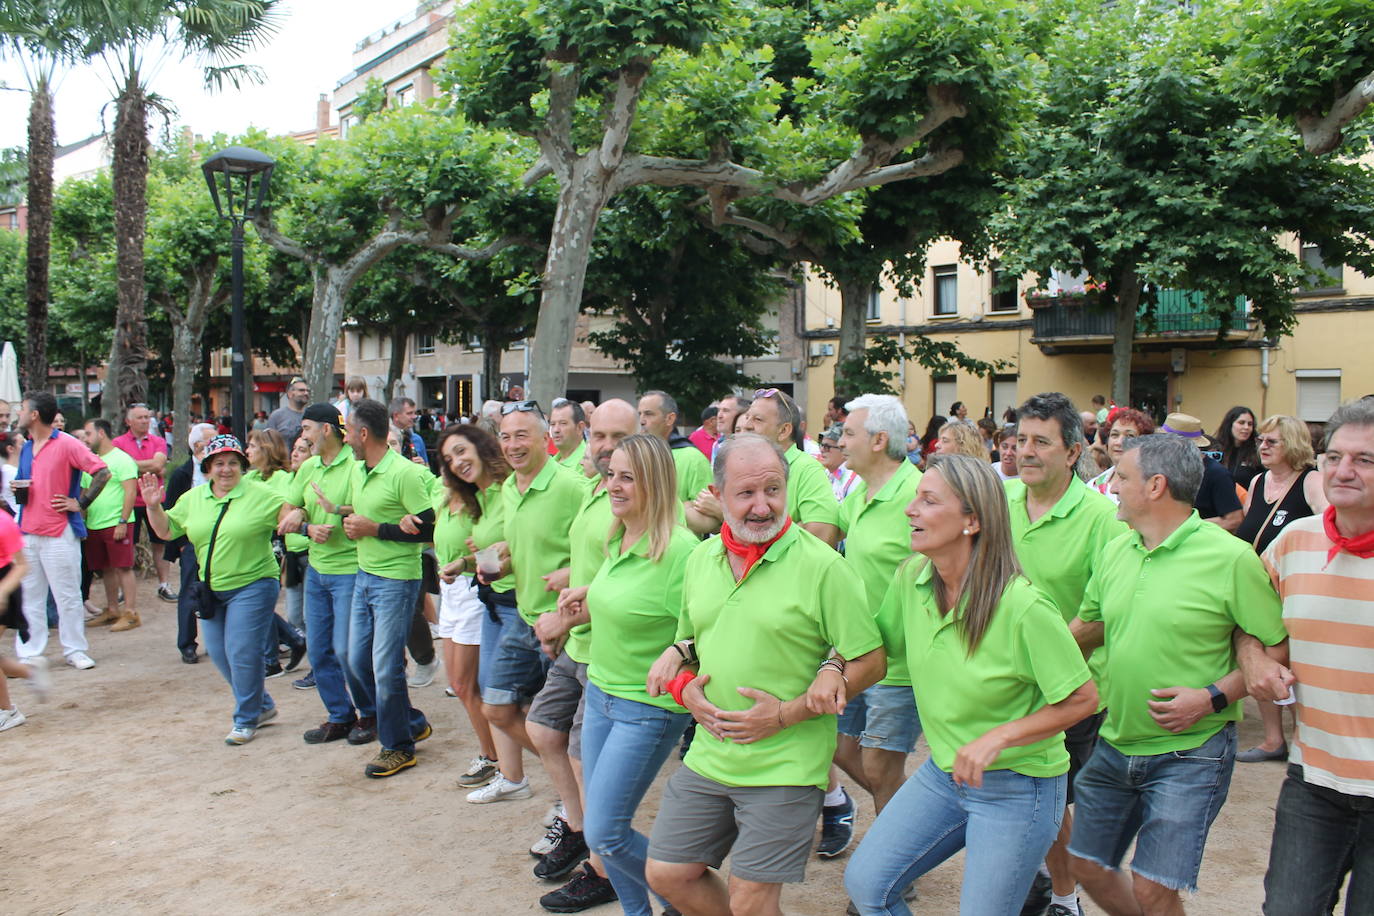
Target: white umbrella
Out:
[9,375]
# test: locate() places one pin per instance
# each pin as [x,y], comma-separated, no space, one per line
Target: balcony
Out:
[1180,317]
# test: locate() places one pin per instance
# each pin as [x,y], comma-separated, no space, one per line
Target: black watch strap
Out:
[1219,701]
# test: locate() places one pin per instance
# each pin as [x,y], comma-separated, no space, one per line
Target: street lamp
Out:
[238,178]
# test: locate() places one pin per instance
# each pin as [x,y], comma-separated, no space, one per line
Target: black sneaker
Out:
[1058,909]
[1039,897]
[297,653]
[586,890]
[563,858]
[274,669]
[837,828]
[328,731]
[365,732]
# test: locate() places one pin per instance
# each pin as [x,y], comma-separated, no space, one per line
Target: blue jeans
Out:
[624,743]
[328,608]
[1006,826]
[379,622]
[234,638]
[295,607]
[281,634]
[1320,835]
[1164,802]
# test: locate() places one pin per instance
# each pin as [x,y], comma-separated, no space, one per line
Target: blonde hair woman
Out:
[997,678]
[960,437]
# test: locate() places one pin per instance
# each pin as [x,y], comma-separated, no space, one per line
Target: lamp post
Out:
[238,178]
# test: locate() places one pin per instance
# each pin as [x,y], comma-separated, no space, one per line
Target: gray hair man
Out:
[658,414]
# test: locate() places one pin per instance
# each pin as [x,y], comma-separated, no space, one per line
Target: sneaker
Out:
[267,715]
[546,843]
[328,731]
[569,852]
[389,763]
[129,620]
[1039,896]
[554,813]
[40,679]
[479,772]
[364,732]
[500,789]
[305,683]
[1058,909]
[81,661]
[586,890]
[274,669]
[297,653]
[103,619]
[837,828]
[165,592]
[423,733]
[423,675]
[240,735]
[10,718]
[1258,754]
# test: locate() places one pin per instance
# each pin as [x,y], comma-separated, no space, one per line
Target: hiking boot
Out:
[837,828]
[389,763]
[364,731]
[586,890]
[566,855]
[479,772]
[328,731]
[128,621]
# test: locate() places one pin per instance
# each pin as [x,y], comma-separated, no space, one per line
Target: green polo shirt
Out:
[243,545]
[770,632]
[282,482]
[452,526]
[337,556]
[1169,614]
[107,508]
[574,460]
[491,527]
[385,494]
[1025,661]
[587,546]
[877,538]
[538,526]
[635,602]
[693,471]
[810,498]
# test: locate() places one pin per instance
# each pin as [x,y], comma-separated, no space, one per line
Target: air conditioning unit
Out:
[828,349]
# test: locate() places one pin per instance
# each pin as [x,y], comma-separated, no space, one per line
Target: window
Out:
[1003,395]
[945,391]
[946,290]
[1003,300]
[1319,394]
[345,125]
[1321,276]
[424,344]
[405,95]
[875,305]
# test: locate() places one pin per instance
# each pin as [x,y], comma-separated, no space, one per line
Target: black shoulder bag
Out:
[205,595]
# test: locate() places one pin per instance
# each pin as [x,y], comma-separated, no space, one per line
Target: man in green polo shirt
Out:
[810,501]
[1058,526]
[568,430]
[1165,600]
[385,489]
[108,547]
[880,726]
[764,606]
[658,413]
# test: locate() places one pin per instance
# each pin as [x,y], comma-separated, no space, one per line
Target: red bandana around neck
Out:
[1361,545]
[749,553]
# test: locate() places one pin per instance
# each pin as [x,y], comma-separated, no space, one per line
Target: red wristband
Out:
[676,685]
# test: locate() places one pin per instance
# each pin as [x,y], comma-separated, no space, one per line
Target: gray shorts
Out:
[561,702]
[766,830]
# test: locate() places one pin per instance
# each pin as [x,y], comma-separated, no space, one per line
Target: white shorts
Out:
[460,612]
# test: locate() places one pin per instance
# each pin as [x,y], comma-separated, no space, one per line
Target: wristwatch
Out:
[1219,701]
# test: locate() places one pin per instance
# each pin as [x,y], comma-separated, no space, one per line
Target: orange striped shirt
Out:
[1329,613]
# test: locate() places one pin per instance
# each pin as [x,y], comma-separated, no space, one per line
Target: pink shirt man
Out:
[141,450]
[52,476]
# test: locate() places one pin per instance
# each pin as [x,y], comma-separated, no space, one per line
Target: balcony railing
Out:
[1178,313]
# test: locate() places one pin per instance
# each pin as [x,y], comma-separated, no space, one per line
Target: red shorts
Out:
[104,552]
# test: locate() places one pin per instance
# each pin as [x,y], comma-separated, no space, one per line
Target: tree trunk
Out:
[41,140]
[127,379]
[326,323]
[204,377]
[400,343]
[580,203]
[185,358]
[1127,302]
[492,351]
[854,298]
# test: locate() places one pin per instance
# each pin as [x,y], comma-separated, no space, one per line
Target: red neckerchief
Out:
[1361,545]
[749,553]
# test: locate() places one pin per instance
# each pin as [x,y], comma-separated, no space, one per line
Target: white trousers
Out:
[54,563]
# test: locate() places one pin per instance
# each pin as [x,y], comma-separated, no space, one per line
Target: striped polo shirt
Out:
[1328,610]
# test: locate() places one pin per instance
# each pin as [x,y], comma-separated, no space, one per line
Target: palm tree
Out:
[131,38]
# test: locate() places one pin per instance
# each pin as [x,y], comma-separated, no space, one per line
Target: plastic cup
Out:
[489,561]
[20,488]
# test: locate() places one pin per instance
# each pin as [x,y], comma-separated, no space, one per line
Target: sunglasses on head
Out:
[766,392]
[521,407]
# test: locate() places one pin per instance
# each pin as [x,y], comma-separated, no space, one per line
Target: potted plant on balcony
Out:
[1078,296]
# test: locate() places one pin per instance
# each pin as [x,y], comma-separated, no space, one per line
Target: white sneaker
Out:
[499,789]
[554,814]
[10,718]
[545,844]
[80,660]
[424,674]
[40,679]
[240,735]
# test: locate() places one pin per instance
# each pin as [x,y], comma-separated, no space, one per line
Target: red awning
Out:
[269,387]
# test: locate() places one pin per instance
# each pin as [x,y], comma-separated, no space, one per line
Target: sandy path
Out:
[119,796]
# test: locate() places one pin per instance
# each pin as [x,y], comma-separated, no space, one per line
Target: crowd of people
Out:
[1069,606]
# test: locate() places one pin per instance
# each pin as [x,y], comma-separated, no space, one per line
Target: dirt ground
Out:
[119,796]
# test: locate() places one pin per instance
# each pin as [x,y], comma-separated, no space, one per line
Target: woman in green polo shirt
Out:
[992,661]
[268,462]
[230,523]
[634,602]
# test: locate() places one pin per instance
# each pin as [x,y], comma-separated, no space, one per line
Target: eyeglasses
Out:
[1269,441]
[827,447]
[522,407]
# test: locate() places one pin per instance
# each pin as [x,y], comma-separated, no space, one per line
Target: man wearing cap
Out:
[810,503]
[385,490]
[658,415]
[150,454]
[322,484]
[286,419]
[704,436]
[1216,498]
[1058,526]
[1164,599]
[568,430]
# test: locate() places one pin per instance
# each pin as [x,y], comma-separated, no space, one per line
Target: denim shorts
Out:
[518,663]
[1164,802]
